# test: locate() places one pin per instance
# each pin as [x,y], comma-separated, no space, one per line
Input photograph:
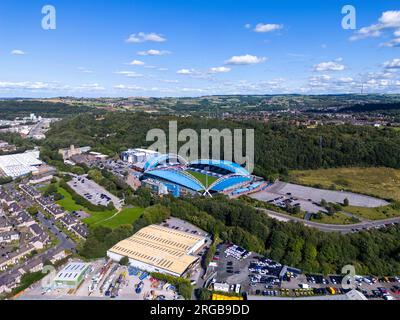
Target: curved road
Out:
[333,227]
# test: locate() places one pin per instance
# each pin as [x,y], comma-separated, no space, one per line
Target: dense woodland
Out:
[15,139]
[11,109]
[280,146]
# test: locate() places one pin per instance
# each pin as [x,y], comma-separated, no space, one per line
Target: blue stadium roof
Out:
[177,177]
[153,162]
[229,182]
[227,165]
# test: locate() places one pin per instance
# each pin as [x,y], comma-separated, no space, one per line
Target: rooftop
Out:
[16,165]
[71,272]
[160,247]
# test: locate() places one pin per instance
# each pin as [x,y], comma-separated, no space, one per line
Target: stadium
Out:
[202,177]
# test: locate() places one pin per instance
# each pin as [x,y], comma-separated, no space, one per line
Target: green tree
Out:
[124,261]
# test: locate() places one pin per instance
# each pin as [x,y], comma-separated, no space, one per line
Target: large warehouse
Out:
[17,165]
[159,249]
[205,177]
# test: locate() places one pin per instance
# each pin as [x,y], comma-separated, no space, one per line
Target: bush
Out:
[124,261]
[152,215]
[203,294]
[182,285]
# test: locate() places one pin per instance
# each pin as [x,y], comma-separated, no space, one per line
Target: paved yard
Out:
[308,197]
[93,192]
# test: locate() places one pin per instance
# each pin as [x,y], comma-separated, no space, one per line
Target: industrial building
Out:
[72,275]
[67,153]
[160,249]
[138,155]
[17,165]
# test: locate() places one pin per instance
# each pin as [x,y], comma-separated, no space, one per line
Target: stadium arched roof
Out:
[228,182]
[177,177]
[230,166]
[153,163]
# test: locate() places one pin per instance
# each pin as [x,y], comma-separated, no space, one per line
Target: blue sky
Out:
[192,48]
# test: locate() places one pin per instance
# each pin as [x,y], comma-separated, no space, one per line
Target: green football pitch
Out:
[206,180]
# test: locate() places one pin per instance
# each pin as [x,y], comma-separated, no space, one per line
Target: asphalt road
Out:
[332,227]
[64,242]
[37,129]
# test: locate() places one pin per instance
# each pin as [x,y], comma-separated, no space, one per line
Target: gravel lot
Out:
[84,186]
[304,194]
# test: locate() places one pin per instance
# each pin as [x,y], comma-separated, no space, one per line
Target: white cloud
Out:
[247,25]
[143,37]
[84,70]
[17,52]
[245,60]
[318,81]
[36,86]
[329,66]
[25,85]
[127,87]
[169,81]
[129,74]
[268,27]
[153,52]
[219,70]
[392,43]
[186,71]
[392,64]
[372,31]
[91,87]
[137,63]
[346,79]
[388,20]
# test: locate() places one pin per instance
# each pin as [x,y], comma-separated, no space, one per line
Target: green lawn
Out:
[126,216]
[337,218]
[379,182]
[206,180]
[373,213]
[69,204]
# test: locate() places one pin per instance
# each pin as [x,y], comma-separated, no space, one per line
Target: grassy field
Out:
[126,216]
[70,205]
[337,218]
[379,182]
[374,213]
[203,178]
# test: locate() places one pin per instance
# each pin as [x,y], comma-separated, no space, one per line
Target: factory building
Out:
[160,249]
[17,165]
[72,151]
[72,275]
[138,155]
